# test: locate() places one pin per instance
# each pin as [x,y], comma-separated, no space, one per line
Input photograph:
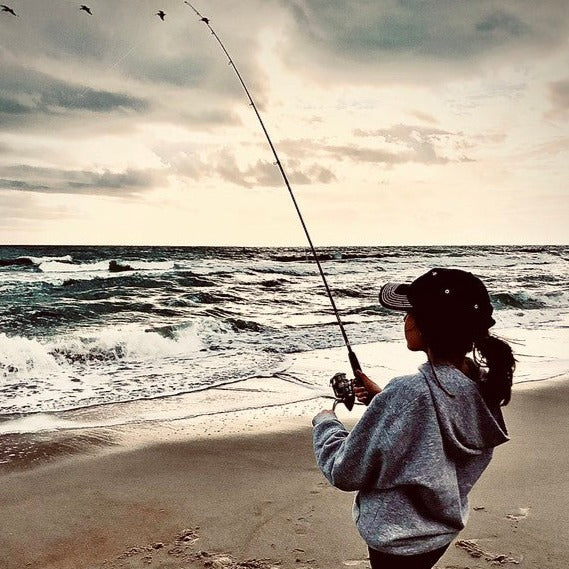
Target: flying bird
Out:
[8,9]
[86,9]
[161,14]
[202,19]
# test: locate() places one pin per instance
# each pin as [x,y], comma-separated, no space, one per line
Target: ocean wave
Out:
[239,325]
[189,279]
[308,257]
[538,279]
[122,286]
[186,317]
[274,283]
[20,355]
[349,293]
[24,356]
[370,310]
[335,256]
[201,297]
[20,262]
[29,261]
[521,300]
[60,265]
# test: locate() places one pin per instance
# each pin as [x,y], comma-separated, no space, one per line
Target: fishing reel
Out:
[343,388]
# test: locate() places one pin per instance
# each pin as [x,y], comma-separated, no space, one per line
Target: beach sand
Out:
[255,499]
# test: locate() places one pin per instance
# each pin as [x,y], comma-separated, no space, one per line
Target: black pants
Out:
[423,561]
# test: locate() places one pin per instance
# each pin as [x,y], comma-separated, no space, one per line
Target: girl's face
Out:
[415,341]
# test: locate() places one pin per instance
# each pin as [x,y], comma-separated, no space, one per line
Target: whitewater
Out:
[234,328]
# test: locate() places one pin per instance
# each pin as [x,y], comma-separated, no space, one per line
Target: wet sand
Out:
[255,499]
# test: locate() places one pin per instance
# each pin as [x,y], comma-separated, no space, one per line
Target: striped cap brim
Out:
[394,296]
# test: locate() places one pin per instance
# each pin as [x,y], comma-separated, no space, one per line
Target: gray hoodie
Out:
[413,457]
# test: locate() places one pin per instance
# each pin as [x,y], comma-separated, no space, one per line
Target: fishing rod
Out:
[341,386]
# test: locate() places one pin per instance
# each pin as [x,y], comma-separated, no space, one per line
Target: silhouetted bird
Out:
[8,9]
[86,9]
[161,14]
[206,20]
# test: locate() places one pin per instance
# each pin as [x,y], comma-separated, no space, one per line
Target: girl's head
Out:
[451,315]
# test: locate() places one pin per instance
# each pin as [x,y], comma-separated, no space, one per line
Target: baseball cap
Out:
[445,294]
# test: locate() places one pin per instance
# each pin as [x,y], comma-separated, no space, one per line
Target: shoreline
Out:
[301,379]
[64,437]
[248,489]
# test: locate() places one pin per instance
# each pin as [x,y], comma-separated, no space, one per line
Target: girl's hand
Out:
[365,389]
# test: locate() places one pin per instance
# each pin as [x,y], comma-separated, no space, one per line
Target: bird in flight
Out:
[161,14]
[86,9]
[202,19]
[8,9]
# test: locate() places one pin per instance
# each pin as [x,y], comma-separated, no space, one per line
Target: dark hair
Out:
[497,356]
[449,336]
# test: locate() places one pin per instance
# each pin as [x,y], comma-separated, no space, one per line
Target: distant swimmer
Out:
[8,9]
[161,14]
[86,9]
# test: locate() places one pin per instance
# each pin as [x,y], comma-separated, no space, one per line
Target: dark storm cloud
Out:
[27,95]
[409,33]
[501,24]
[125,59]
[52,180]
[176,70]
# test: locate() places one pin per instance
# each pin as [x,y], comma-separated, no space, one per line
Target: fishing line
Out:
[351,355]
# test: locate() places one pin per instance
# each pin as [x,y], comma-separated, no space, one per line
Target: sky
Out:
[397,122]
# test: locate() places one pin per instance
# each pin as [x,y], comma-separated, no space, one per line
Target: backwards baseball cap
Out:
[445,294]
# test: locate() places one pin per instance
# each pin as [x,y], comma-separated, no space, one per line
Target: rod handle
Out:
[356,366]
[354,363]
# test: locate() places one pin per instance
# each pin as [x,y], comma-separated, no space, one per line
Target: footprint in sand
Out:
[262,508]
[521,514]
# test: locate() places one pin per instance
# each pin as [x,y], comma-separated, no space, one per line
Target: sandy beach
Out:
[255,499]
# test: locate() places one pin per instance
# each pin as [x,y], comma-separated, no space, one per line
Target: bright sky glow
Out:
[397,122]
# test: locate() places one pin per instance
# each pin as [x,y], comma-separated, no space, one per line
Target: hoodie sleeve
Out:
[354,460]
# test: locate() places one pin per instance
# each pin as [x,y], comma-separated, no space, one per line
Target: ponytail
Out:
[497,356]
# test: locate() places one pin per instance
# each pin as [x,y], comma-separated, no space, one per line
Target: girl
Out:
[426,438]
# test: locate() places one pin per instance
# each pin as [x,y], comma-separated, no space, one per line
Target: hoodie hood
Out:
[467,424]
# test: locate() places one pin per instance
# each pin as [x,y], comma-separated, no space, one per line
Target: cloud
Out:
[411,40]
[31,94]
[500,25]
[559,98]
[60,61]
[422,116]
[31,98]
[118,103]
[56,181]
[399,144]
[423,145]
[266,174]
[202,164]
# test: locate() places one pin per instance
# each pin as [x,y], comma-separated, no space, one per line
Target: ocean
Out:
[232,328]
